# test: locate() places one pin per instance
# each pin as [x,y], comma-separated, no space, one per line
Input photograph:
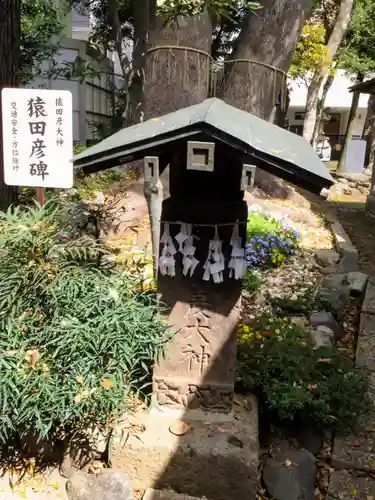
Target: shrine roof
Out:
[276,150]
[367,87]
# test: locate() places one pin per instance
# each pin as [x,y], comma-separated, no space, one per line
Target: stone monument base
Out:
[215,461]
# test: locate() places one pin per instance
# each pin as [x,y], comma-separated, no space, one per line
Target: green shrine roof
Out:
[367,87]
[276,150]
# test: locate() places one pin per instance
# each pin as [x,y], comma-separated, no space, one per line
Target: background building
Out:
[337,106]
[93,97]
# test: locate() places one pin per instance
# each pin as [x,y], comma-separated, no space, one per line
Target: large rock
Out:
[324,318]
[310,438]
[334,294]
[357,283]
[368,306]
[327,258]
[307,435]
[322,336]
[290,475]
[337,280]
[107,485]
[334,300]
[346,249]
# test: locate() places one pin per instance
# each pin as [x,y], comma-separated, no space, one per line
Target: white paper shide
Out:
[37,137]
[183,245]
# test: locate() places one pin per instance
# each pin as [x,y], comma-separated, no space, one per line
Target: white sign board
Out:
[38,137]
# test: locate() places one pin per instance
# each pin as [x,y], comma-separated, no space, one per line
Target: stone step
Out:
[215,458]
[152,494]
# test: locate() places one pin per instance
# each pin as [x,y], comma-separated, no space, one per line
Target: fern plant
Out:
[76,340]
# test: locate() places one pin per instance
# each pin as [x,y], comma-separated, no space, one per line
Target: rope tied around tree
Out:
[211,77]
[170,49]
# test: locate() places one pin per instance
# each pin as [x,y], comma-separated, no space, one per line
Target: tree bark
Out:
[176,78]
[269,36]
[10,20]
[320,109]
[369,131]
[349,131]
[120,48]
[320,76]
[142,15]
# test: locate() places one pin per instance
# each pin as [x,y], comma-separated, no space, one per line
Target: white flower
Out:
[100,198]
[113,294]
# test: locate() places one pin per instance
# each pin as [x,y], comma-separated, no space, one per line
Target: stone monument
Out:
[198,237]
[197,372]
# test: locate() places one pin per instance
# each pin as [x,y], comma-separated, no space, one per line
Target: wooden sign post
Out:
[40,196]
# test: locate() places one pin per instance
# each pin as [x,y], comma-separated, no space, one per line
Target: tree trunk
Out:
[176,78]
[281,113]
[142,13]
[320,76]
[369,131]
[10,19]
[269,36]
[120,48]
[349,131]
[320,109]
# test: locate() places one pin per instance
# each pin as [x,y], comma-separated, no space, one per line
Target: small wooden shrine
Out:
[199,231]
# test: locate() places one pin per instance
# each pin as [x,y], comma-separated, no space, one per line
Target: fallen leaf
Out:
[107,384]
[54,484]
[247,405]
[179,428]
[32,356]
[220,429]
[31,467]
[78,398]
[324,360]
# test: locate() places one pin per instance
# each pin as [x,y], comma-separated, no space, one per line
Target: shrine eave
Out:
[274,149]
[367,87]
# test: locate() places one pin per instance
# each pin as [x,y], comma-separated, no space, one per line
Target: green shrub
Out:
[294,381]
[304,303]
[251,282]
[260,224]
[89,186]
[76,339]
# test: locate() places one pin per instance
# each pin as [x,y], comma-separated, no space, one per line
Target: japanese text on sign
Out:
[43,119]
